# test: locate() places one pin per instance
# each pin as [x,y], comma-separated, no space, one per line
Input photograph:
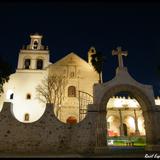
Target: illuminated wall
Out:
[78,72]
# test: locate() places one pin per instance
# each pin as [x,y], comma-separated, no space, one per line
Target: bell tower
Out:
[91,51]
[35,43]
[34,56]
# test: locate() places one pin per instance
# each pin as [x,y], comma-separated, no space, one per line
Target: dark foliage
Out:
[97,62]
[5,71]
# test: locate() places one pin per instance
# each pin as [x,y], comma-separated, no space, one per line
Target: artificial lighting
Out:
[141,125]
[133,103]
[131,122]
[118,103]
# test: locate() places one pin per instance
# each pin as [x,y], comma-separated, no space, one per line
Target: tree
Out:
[5,71]
[97,61]
[52,90]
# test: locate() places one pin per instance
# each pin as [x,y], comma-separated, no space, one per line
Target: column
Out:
[121,123]
[33,64]
[152,130]
[136,123]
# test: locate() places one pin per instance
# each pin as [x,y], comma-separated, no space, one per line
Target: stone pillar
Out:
[100,131]
[101,135]
[33,64]
[136,124]
[121,123]
[151,126]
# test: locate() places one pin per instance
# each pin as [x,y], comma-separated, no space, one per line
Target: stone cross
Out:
[120,53]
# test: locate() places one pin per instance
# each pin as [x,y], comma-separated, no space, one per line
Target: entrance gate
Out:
[84,99]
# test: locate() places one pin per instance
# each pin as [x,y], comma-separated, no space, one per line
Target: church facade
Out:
[34,65]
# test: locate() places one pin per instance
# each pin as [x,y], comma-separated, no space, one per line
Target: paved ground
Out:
[115,152]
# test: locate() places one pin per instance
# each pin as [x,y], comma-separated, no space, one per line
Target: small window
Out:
[72,75]
[27,63]
[11,96]
[71,91]
[39,64]
[26,117]
[28,96]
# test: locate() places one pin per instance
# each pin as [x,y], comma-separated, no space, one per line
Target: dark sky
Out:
[70,26]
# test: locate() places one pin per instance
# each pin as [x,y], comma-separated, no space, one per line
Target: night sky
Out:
[75,27]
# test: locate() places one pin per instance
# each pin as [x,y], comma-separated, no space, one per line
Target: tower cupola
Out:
[35,43]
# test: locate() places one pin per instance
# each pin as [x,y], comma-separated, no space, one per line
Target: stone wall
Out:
[156,125]
[47,135]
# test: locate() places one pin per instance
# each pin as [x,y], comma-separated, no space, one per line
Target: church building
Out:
[32,70]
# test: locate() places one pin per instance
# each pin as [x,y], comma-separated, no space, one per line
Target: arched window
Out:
[26,117]
[11,96]
[39,64]
[28,96]
[71,91]
[27,63]
[35,44]
[92,50]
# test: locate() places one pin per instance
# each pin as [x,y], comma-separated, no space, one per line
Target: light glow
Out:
[118,103]
[133,103]
[131,122]
[141,126]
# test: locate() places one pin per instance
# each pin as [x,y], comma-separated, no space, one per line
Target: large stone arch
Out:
[144,102]
[138,94]
[123,82]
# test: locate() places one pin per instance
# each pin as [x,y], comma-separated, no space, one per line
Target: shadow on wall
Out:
[48,134]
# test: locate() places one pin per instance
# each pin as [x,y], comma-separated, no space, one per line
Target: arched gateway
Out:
[123,82]
[49,135]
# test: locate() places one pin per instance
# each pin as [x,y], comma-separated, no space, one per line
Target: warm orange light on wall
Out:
[71,120]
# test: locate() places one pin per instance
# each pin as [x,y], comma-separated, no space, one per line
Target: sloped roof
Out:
[72,59]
